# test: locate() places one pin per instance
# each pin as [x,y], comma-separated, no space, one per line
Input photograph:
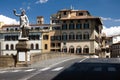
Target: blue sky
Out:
[108,10]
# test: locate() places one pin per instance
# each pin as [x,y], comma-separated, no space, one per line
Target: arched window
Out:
[32,46]
[37,46]
[71,49]
[78,26]
[64,26]
[71,26]
[12,47]
[78,50]
[64,36]
[86,50]
[86,35]
[71,36]
[79,36]
[64,49]
[7,47]
[86,25]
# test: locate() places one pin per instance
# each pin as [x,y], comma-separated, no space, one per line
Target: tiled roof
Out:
[4,26]
[82,17]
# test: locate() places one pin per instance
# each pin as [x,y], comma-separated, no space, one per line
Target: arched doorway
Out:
[64,49]
[78,50]
[71,49]
[86,50]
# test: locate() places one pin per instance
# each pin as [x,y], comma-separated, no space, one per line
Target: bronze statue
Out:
[24,24]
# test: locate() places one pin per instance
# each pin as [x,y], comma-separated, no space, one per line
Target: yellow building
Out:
[51,40]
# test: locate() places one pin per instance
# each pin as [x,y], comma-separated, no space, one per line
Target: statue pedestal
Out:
[23,55]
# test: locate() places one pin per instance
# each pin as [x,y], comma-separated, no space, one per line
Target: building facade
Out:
[80,32]
[10,35]
[69,31]
[115,50]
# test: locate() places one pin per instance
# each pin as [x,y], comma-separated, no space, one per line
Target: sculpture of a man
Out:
[24,24]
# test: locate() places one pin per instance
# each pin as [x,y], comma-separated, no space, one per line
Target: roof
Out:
[72,10]
[16,25]
[116,43]
[82,17]
[33,25]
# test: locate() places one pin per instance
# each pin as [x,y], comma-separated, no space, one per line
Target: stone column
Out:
[23,48]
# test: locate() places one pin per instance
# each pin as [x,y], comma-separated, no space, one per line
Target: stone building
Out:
[115,50]
[69,31]
[80,31]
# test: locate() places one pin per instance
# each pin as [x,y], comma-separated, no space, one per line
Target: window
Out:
[79,36]
[16,29]
[8,38]
[7,47]
[71,26]
[56,28]
[37,28]
[12,47]
[13,38]
[31,28]
[12,29]
[46,47]
[97,29]
[32,46]
[52,38]
[52,44]
[58,38]
[64,12]
[86,25]
[37,46]
[64,27]
[58,44]
[78,26]
[45,37]
[34,37]
[86,35]
[7,29]
[37,37]
[64,36]
[71,36]
[80,14]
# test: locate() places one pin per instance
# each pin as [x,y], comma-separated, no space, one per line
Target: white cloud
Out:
[117,20]
[115,30]
[110,19]
[41,1]
[103,18]
[28,7]
[8,20]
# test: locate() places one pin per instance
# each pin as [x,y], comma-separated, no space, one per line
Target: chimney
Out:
[40,20]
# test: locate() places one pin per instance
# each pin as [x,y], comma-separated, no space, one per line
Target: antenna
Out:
[71,7]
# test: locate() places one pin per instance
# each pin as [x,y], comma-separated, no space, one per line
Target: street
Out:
[73,69]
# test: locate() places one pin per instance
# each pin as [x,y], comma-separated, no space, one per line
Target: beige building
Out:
[69,31]
[80,31]
[115,50]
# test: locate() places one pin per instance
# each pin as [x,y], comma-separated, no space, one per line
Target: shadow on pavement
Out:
[90,71]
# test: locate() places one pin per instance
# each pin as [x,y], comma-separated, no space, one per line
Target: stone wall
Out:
[6,61]
[44,56]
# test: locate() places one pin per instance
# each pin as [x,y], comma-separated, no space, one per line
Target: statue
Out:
[24,24]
